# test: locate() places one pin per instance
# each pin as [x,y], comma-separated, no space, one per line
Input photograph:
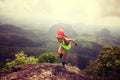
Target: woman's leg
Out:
[65,55]
[60,49]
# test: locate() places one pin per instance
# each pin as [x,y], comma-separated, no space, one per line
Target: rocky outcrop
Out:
[43,71]
[68,29]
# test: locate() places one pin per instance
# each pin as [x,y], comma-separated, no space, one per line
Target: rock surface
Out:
[43,71]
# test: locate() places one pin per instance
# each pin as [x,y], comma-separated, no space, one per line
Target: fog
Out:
[31,14]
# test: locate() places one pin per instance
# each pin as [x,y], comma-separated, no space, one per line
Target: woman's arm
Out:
[75,43]
[71,40]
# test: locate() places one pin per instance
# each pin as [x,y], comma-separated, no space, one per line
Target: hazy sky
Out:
[90,12]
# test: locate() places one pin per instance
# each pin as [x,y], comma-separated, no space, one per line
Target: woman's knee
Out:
[59,52]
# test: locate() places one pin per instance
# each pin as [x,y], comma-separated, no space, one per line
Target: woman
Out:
[65,44]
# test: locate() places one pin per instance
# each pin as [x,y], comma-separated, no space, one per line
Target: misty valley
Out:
[41,40]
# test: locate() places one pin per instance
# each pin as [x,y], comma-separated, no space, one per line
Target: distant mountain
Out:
[43,71]
[107,38]
[14,36]
[69,31]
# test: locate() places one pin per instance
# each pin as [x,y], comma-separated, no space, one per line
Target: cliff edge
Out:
[43,71]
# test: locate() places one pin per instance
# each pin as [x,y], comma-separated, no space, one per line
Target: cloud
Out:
[72,11]
[90,12]
[110,7]
[25,8]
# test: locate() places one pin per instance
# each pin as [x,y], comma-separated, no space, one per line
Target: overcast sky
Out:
[89,12]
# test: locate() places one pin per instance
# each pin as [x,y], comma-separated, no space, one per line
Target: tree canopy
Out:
[106,65]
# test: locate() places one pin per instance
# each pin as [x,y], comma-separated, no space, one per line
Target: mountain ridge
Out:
[15,36]
[68,29]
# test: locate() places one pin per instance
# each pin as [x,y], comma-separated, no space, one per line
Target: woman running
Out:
[65,45]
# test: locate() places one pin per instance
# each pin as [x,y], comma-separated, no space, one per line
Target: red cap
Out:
[60,33]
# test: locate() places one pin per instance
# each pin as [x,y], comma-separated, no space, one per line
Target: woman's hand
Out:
[76,44]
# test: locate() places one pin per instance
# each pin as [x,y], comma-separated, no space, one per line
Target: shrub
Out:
[49,57]
[21,58]
[107,65]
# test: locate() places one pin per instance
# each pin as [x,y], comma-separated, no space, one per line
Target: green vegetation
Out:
[106,66]
[21,58]
[49,57]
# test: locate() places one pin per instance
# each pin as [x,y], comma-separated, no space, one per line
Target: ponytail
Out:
[65,36]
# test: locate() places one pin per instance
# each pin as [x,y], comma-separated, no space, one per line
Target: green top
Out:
[66,47]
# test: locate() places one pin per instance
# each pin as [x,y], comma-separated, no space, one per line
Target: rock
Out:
[43,71]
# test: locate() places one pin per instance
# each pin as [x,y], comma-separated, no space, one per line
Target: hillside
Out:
[14,39]
[14,36]
[43,71]
[11,29]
